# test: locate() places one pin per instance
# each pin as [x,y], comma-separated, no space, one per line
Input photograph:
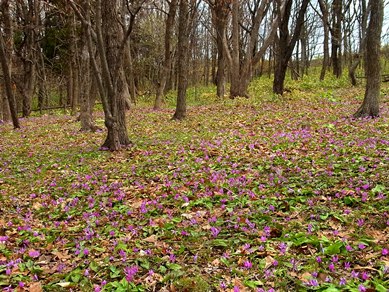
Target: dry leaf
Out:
[64,284]
[152,239]
[35,287]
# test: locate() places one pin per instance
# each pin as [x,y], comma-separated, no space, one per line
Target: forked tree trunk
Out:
[286,43]
[370,105]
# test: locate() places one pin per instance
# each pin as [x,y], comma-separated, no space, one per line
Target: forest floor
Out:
[266,194]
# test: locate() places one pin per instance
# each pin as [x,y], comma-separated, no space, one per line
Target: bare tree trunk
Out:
[336,39]
[362,44]
[87,93]
[183,59]
[220,12]
[130,76]
[6,46]
[286,43]
[370,105]
[28,51]
[167,63]
[73,89]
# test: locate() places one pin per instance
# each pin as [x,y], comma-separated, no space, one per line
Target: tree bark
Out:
[87,94]
[287,42]
[183,59]
[370,105]
[336,38]
[362,45]
[220,12]
[4,58]
[167,63]
[6,47]
[28,51]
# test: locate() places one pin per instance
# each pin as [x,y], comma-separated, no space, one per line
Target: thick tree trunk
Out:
[370,105]
[237,87]
[4,58]
[6,47]
[113,75]
[167,63]
[183,54]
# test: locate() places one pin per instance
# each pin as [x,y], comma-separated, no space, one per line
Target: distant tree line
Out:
[71,53]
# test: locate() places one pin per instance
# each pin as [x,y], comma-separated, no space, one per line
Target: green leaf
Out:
[220,243]
[162,269]
[378,189]
[76,277]
[94,266]
[331,289]
[144,264]
[253,284]
[349,201]
[173,266]
[380,288]
[333,248]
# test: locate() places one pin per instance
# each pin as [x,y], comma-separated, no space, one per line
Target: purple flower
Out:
[385,251]
[172,258]
[223,285]
[342,282]
[349,248]
[361,288]
[247,265]
[354,274]
[313,283]
[3,239]
[361,246]
[215,231]
[282,246]
[34,253]
[331,267]
[318,259]
[130,272]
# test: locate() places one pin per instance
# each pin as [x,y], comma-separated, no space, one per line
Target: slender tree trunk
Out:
[336,39]
[183,59]
[86,94]
[362,45]
[167,63]
[130,76]
[370,105]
